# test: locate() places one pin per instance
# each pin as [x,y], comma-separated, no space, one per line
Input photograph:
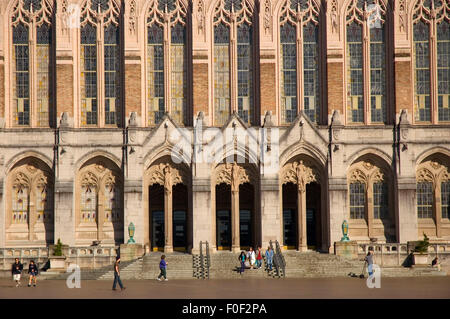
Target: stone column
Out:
[32,214]
[235,234]
[407,222]
[369,205]
[438,209]
[168,213]
[271,228]
[337,190]
[301,220]
[100,214]
[203,222]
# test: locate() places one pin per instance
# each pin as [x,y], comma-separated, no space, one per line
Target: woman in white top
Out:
[251,257]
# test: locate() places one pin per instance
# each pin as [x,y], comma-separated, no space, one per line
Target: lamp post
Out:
[131,230]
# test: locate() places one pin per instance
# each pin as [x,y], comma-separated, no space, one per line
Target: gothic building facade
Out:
[235,122]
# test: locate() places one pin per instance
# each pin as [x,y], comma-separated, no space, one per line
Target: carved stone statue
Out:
[64,122]
[133,119]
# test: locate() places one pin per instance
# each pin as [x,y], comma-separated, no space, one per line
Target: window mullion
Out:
[100,76]
[233,67]
[369,207]
[437,207]
[366,72]
[300,91]
[167,67]
[32,85]
[433,72]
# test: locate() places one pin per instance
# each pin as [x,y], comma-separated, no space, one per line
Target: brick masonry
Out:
[64,93]
[403,86]
[335,85]
[200,88]
[268,85]
[2,90]
[132,89]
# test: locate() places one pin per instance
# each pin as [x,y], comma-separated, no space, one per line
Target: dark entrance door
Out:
[179,230]
[313,218]
[223,229]
[311,228]
[245,228]
[290,215]
[158,230]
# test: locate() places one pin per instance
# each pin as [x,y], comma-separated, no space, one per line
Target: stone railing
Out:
[395,254]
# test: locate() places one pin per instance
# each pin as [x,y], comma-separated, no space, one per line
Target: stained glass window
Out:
[422,101]
[244,65]
[88,204]
[155,74]
[178,85]
[380,200]
[425,199]
[445,199]
[36,4]
[288,73]
[311,103]
[21,74]
[357,200]
[20,205]
[112,75]
[443,70]
[355,104]
[44,79]
[377,75]
[221,74]
[112,203]
[88,87]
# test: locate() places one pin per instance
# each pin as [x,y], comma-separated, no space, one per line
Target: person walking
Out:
[117,275]
[242,261]
[259,258]
[32,271]
[369,260]
[436,264]
[163,268]
[269,258]
[16,270]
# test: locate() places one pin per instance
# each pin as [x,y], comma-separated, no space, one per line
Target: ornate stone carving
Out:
[300,174]
[268,119]
[133,119]
[166,175]
[267,17]
[365,172]
[201,17]
[132,17]
[334,17]
[402,16]
[21,181]
[432,171]
[232,174]
[89,180]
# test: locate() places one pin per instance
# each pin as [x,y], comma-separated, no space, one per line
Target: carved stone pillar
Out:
[168,220]
[301,220]
[235,213]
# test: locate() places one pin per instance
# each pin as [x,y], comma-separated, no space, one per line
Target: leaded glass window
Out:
[20,207]
[112,74]
[377,75]
[244,55]
[89,111]
[178,84]
[311,71]
[443,70]
[288,73]
[44,204]
[422,71]
[221,74]
[88,204]
[380,200]
[445,199]
[357,200]
[44,79]
[112,203]
[155,75]
[425,199]
[21,75]
[355,82]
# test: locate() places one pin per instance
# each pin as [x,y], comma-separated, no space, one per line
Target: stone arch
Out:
[29,202]
[166,152]
[371,212]
[28,154]
[432,151]
[99,201]
[304,148]
[372,155]
[83,160]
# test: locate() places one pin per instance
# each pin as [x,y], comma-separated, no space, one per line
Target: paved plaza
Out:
[324,288]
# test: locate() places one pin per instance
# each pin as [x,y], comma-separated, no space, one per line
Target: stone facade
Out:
[182,183]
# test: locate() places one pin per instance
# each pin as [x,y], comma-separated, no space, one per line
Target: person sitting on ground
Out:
[436,264]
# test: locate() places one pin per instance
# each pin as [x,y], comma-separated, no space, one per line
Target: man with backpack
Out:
[16,270]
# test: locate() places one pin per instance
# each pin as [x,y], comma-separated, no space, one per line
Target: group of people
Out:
[253,259]
[17,269]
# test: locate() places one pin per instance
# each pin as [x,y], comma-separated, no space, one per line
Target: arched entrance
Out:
[235,208]
[168,207]
[302,202]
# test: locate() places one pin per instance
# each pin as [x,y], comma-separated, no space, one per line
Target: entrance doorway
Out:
[290,216]
[180,208]
[246,205]
[223,217]
[156,206]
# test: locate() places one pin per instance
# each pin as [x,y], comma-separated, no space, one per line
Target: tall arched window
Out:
[167,61]
[233,61]
[31,63]
[370,201]
[299,60]
[367,94]
[100,78]
[431,48]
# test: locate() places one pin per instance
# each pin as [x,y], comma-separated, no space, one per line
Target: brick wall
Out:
[2,90]
[132,89]
[403,87]
[268,89]
[200,88]
[335,83]
[64,91]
